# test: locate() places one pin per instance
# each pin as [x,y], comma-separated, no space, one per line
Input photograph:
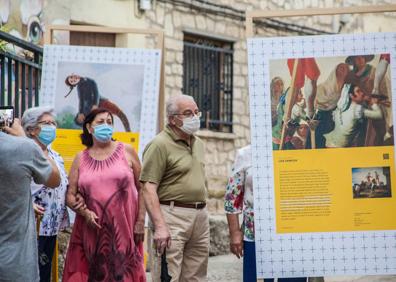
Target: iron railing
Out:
[20,73]
[208,77]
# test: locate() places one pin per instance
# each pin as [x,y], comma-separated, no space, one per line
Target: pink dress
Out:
[109,253]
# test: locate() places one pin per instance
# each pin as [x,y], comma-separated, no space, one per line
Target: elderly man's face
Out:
[186,108]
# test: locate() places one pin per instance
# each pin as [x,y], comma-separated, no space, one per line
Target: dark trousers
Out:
[326,125]
[249,266]
[249,262]
[46,248]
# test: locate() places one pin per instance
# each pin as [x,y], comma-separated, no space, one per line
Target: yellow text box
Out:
[313,190]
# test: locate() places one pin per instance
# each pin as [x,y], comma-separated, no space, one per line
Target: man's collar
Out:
[174,135]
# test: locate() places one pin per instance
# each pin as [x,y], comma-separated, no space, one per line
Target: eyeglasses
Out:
[189,114]
[48,122]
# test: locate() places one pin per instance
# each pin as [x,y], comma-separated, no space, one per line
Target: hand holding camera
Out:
[7,122]
[16,128]
[6,116]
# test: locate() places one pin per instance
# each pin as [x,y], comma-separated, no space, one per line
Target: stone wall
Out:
[220,147]
[176,19]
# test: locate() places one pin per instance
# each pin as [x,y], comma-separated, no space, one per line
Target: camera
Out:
[6,116]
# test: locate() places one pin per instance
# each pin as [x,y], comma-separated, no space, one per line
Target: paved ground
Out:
[228,268]
[390,278]
[222,268]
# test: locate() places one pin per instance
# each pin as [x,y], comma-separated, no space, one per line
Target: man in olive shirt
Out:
[175,193]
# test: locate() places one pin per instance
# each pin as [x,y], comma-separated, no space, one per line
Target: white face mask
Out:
[191,125]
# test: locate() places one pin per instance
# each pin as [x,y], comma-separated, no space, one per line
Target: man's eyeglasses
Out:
[189,114]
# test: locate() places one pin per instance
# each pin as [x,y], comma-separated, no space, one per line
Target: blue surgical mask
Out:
[103,132]
[47,134]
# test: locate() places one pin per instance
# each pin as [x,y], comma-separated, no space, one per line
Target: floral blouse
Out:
[239,192]
[55,217]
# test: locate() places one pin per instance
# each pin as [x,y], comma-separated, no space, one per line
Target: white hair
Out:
[31,117]
[172,104]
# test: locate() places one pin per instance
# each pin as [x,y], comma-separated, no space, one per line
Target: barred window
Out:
[207,76]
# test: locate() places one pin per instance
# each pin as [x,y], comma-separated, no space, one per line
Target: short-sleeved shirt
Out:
[55,217]
[239,191]
[21,161]
[177,168]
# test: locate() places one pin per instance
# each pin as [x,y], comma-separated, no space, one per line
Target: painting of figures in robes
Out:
[336,102]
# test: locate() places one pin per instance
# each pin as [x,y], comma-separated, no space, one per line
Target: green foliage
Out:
[3,44]
[66,121]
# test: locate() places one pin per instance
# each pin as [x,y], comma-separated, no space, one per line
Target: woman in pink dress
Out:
[106,242]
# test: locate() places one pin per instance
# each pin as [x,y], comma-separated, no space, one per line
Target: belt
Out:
[197,206]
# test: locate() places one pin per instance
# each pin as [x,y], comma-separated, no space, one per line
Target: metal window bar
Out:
[208,77]
[2,78]
[20,74]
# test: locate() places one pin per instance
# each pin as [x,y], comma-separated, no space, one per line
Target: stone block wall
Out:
[176,19]
[220,147]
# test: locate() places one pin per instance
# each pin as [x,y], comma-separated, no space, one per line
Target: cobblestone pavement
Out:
[228,268]
[222,268]
[377,278]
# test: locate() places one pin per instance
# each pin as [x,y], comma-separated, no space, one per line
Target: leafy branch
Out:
[3,44]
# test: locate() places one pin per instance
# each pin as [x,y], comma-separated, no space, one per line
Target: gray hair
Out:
[172,104]
[31,117]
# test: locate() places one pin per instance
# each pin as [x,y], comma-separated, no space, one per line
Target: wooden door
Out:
[92,39]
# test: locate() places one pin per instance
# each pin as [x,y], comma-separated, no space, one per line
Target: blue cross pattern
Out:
[150,58]
[318,253]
